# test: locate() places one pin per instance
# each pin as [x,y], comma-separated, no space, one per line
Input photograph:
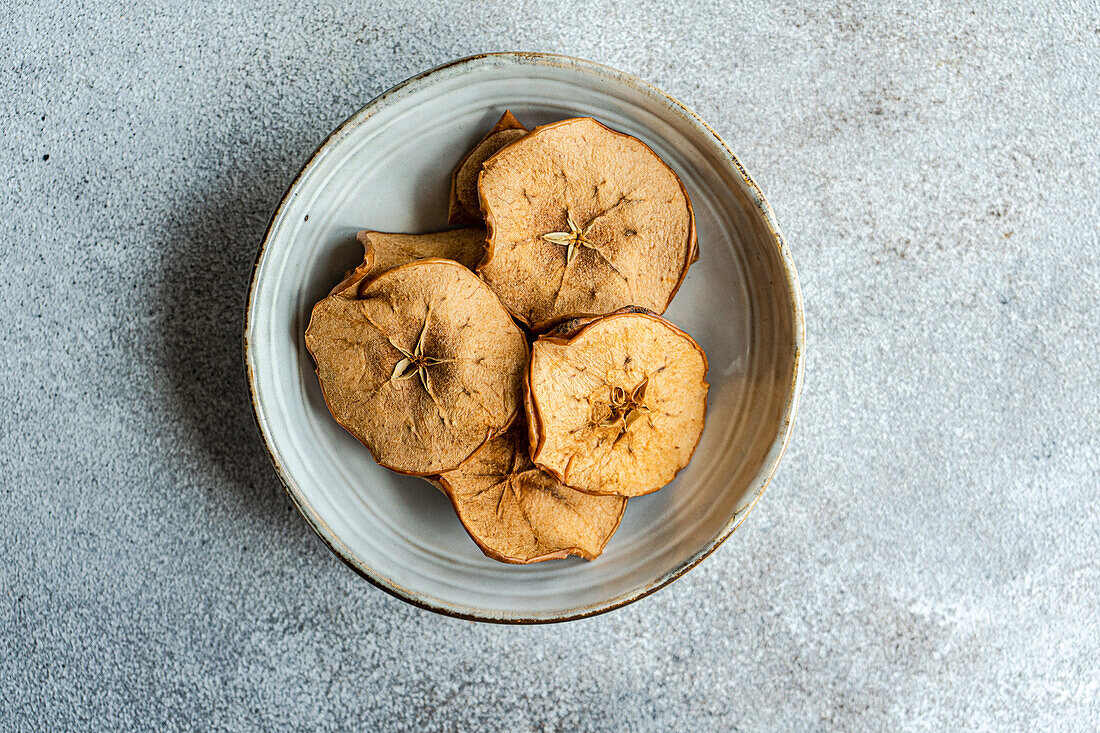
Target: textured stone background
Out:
[926,558]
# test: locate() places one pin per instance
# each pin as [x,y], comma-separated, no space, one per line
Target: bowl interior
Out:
[388,168]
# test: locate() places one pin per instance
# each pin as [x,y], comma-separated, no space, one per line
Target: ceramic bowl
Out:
[387,167]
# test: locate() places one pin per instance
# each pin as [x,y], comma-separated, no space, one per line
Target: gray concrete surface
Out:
[925,560]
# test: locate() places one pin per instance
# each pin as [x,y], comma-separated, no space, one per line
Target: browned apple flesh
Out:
[465,206]
[384,251]
[423,368]
[517,513]
[618,406]
[583,220]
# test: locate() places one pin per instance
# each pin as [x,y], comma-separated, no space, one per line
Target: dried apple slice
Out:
[465,206]
[583,220]
[570,327]
[423,368]
[384,251]
[519,514]
[617,406]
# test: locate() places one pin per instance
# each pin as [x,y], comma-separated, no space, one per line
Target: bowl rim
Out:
[763,475]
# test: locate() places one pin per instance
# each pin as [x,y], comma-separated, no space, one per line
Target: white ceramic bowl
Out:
[387,168]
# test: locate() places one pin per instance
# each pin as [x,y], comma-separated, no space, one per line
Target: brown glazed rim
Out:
[767,470]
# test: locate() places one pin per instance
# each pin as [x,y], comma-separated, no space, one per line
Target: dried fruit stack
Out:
[539,434]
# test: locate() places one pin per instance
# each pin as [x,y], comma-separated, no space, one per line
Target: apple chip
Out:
[384,251]
[517,513]
[423,367]
[583,220]
[465,207]
[617,406]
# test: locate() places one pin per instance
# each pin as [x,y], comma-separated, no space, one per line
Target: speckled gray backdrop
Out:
[926,557]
